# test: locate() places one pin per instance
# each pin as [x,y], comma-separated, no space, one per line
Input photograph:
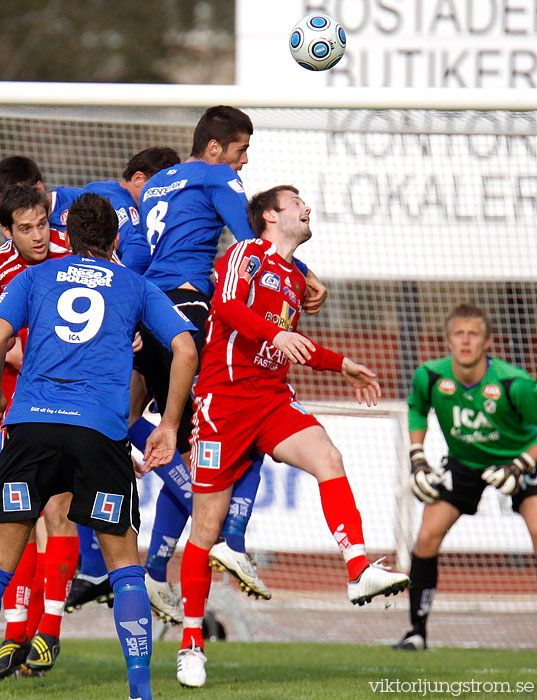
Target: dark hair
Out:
[262,202]
[18,198]
[92,225]
[468,311]
[223,124]
[18,170]
[151,161]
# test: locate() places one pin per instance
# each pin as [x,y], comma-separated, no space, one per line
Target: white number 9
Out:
[93,316]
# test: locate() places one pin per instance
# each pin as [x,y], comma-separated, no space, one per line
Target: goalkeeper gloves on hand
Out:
[509,477]
[423,477]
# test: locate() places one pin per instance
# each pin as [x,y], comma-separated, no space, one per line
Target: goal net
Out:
[414,210]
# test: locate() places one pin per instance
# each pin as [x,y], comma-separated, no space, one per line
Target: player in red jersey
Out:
[24,221]
[243,402]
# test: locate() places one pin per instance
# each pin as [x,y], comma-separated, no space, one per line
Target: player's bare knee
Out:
[429,541]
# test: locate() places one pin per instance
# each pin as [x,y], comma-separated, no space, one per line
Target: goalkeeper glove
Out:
[423,477]
[508,478]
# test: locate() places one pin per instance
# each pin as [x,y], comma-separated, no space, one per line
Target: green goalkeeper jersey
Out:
[489,423]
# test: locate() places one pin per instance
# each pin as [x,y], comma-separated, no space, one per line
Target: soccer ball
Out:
[317,42]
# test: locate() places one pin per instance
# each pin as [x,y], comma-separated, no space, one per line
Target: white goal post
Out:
[421,200]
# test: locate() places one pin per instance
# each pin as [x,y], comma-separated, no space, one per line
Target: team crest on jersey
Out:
[135,217]
[492,391]
[447,386]
[16,496]
[89,275]
[270,280]
[490,406]
[107,507]
[236,186]
[63,217]
[209,454]
[248,267]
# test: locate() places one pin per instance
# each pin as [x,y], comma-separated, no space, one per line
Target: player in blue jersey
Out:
[67,427]
[92,581]
[133,249]
[183,211]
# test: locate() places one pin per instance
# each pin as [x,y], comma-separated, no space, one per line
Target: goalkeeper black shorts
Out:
[463,487]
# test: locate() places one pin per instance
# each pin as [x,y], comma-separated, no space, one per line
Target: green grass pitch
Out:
[95,670]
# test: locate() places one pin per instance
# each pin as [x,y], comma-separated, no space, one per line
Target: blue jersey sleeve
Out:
[230,202]
[133,250]
[14,301]
[162,318]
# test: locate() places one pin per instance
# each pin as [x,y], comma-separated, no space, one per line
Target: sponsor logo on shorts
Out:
[16,496]
[248,267]
[447,386]
[107,507]
[271,281]
[209,454]
[492,391]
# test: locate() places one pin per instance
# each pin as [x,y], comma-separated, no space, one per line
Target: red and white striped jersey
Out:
[12,262]
[257,295]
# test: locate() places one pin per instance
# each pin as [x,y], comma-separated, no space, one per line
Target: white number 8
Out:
[93,316]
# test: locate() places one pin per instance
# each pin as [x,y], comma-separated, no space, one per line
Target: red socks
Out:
[345,523]
[60,566]
[17,595]
[195,586]
[37,602]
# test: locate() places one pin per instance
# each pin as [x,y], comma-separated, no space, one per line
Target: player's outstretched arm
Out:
[316,293]
[362,379]
[160,445]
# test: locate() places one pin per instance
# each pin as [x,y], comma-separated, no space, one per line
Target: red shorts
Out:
[227,430]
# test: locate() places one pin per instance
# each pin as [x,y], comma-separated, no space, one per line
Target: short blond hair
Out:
[468,311]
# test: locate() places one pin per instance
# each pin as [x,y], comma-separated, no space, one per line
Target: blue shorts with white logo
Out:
[40,460]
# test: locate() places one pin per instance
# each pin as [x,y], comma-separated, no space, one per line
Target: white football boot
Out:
[241,566]
[376,580]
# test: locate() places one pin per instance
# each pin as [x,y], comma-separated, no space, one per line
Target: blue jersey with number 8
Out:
[82,314]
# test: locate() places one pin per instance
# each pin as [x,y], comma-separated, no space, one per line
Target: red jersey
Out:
[257,295]
[11,264]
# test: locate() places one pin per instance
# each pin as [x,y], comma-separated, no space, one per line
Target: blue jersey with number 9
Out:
[82,314]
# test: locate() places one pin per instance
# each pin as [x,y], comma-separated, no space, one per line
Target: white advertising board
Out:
[288,517]
[485,44]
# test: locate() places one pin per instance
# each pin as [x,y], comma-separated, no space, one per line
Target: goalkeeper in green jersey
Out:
[487,410]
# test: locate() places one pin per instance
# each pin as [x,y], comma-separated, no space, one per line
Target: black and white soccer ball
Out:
[317,42]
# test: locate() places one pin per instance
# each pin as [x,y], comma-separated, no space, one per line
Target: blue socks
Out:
[132,614]
[91,558]
[5,578]
[170,519]
[175,474]
[242,503]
